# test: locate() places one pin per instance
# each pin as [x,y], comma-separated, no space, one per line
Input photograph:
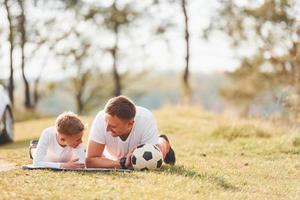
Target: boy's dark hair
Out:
[68,123]
[120,106]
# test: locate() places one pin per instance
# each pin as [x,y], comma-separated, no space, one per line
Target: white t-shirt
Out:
[144,131]
[50,154]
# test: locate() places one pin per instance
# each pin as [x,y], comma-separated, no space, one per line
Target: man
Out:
[118,130]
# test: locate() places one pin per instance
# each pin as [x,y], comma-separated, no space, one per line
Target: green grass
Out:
[217,158]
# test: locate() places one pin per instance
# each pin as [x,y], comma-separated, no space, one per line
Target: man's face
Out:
[118,127]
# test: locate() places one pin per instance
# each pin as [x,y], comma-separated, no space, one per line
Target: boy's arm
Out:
[79,153]
[95,159]
[41,152]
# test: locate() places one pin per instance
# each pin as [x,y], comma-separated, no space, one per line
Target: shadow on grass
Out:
[187,172]
[114,175]
[16,145]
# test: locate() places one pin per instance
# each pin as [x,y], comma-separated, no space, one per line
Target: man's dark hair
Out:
[120,106]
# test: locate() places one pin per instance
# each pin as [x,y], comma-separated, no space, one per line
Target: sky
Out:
[214,55]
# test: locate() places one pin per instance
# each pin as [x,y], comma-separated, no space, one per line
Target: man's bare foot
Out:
[170,157]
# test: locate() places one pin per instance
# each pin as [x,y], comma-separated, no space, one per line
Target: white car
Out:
[6,118]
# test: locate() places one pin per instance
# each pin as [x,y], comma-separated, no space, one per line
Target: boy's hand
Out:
[73,164]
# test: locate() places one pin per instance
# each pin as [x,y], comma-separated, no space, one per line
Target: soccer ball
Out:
[146,156]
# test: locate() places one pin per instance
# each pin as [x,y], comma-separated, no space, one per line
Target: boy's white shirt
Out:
[50,154]
[144,131]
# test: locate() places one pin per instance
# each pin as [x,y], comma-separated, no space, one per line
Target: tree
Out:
[164,26]
[272,29]
[18,36]
[32,33]
[81,75]
[23,41]
[11,50]
[250,85]
[40,40]
[187,92]
[116,17]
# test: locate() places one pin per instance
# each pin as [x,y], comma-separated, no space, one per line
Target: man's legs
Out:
[166,150]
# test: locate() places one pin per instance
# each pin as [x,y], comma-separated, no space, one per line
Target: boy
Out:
[61,146]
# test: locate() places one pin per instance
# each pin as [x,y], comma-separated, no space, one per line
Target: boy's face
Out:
[71,140]
[118,127]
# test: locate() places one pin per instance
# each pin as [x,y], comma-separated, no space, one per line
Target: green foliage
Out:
[268,27]
[117,14]
[296,142]
[24,115]
[241,131]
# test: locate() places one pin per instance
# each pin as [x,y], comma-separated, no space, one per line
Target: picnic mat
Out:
[31,167]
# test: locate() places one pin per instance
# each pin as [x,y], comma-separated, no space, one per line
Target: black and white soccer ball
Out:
[146,157]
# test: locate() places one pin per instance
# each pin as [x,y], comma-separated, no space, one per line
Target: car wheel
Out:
[8,131]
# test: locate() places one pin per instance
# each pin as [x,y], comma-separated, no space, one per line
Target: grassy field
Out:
[217,158]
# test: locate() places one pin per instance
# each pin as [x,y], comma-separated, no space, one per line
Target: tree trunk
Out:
[294,63]
[116,76]
[80,85]
[36,93]
[36,96]
[79,102]
[187,92]
[245,111]
[11,85]
[22,24]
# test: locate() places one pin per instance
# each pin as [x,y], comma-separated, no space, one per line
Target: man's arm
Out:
[95,159]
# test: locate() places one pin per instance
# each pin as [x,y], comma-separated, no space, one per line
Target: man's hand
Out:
[128,160]
[128,163]
[73,164]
